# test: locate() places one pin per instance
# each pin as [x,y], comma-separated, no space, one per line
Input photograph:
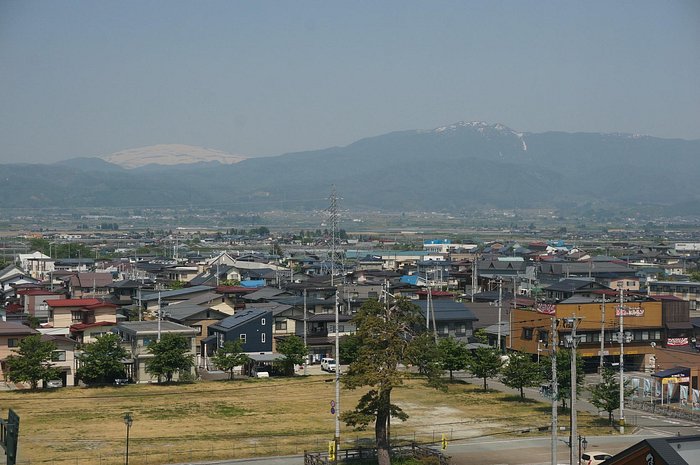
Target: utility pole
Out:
[554,391]
[500,305]
[337,380]
[474,277]
[572,342]
[622,361]
[159,316]
[306,358]
[602,336]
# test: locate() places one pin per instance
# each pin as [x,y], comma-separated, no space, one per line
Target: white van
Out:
[328,364]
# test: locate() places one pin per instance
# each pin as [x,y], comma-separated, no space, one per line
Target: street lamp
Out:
[582,444]
[128,420]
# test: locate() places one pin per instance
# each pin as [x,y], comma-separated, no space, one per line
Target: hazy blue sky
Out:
[88,78]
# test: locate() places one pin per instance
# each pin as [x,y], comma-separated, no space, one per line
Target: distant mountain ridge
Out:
[450,168]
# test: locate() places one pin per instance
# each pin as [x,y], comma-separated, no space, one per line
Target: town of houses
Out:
[508,291]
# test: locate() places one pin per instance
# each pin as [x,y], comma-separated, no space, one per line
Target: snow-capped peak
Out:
[484,129]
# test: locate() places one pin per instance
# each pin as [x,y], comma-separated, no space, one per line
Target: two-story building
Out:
[63,313]
[136,337]
[642,325]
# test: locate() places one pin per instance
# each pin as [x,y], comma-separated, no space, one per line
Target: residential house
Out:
[567,288]
[686,290]
[34,301]
[137,335]
[253,327]
[74,265]
[11,333]
[197,317]
[152,300]
[89,285]
[87,333]
[63,358]
[36,264]
[321,332]
[451,318]
[63,313]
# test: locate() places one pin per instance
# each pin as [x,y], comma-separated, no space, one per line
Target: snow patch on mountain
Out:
[484,129]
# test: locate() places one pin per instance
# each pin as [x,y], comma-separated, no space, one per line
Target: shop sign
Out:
[547,309]
[677,341]
[628,311]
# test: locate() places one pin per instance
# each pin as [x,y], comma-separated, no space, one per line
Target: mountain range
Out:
[452,168]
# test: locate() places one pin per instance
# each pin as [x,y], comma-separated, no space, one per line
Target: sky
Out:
[256,78]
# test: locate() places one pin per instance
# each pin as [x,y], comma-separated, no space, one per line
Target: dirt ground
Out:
[241,418]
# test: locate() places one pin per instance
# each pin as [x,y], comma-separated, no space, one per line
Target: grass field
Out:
[246,417]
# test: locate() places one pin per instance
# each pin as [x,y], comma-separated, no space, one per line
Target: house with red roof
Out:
[63,313]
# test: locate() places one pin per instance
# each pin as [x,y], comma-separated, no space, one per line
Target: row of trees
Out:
[101,362]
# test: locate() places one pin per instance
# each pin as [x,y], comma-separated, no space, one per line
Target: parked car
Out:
[328,364]
[54,383]
[594,457]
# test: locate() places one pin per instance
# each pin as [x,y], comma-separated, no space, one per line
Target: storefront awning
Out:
[672,372]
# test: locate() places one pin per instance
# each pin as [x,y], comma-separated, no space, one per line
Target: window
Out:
[242,337]
[331,328]
[281,325]
[445,329]
[76,316]
[262,321]
[527,333]
[220,338]
[461,329]
[198,329]
[147,341]
[12,342]
[372,295]
[544,336]
[262,337]
[58,356]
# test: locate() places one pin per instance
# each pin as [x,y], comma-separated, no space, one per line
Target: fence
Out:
[682,413]
[351,455]
[237,448]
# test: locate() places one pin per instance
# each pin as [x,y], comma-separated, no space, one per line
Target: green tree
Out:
[423,353]
[349,348]
[481,336]
[564,374]
[102,361]
[606,394]
[32,362]
[39,244]
[386,335]
[485,362]
[520,372]
[294,351]
[231,355]
[453,355]
[170,355]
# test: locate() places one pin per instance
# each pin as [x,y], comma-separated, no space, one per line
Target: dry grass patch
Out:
[241,418]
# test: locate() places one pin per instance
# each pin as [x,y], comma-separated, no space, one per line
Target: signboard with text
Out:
[628,311]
